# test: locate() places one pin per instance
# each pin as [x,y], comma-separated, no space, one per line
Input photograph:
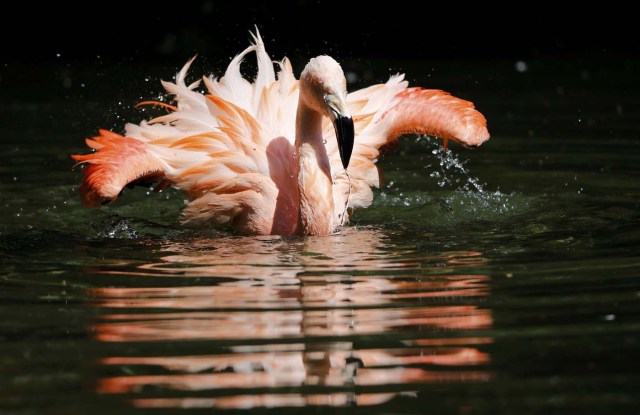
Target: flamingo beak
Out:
[345,135]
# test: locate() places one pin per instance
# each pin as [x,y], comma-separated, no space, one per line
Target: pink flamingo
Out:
[263,157]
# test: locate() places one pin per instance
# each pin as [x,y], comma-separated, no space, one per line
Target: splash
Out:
[452,171]
[121,229]
[468,190]
[459,195]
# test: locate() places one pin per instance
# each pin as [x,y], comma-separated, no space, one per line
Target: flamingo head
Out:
[324,89]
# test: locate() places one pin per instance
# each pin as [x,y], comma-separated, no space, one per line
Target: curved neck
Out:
[314,174]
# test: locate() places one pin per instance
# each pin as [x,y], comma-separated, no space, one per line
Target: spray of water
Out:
[453,173]
[469,191]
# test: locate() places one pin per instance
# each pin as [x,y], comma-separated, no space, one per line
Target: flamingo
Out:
[277,155]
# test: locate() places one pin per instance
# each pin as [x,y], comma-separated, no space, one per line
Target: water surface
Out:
[499,280]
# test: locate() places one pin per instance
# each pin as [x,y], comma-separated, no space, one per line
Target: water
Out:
[499,280]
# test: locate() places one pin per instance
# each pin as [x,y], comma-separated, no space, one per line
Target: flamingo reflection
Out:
[305,301]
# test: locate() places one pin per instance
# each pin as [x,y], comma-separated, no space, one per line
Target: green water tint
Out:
[498,280]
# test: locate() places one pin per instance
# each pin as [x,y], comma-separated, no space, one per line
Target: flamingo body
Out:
[275,156]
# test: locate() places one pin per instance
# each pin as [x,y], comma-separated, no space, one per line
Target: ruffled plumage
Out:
[232,150]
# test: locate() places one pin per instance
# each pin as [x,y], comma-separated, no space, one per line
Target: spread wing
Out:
[383,112]
[230,150]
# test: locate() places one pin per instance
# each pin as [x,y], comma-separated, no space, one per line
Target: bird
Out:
[276,155]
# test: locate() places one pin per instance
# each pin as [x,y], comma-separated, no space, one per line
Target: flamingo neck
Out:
[314,174]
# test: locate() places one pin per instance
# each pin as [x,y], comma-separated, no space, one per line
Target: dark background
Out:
[172,32]
[533,69]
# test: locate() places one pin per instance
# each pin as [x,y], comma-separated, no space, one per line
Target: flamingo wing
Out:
[119,161]
[220,148]
[382,113]
[434,112]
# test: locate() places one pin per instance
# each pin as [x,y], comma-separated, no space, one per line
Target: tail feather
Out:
[266,74]
[118,162]
[233,85]
[185,96]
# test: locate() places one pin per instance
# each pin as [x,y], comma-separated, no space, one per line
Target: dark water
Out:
[500,280]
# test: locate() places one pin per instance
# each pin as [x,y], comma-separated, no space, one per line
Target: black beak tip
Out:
[345,134]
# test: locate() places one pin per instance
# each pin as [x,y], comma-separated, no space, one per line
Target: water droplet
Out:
[521,66]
